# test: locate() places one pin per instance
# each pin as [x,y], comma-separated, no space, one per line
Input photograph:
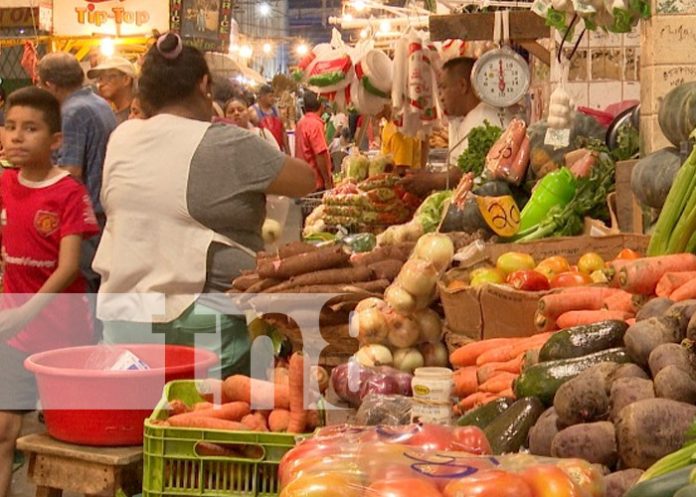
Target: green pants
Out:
[231,344]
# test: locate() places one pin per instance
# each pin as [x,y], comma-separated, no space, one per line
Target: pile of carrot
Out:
[281,404]
[485,370]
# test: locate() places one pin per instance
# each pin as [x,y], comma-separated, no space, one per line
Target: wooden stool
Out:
[94,471]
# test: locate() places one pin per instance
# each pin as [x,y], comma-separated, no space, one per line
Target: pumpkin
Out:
[653,175]
[677,114]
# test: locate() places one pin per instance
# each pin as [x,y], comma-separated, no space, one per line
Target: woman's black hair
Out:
[171,71]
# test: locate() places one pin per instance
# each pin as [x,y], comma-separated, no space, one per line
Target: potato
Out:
[542,433]
[630,370]
[673,383]
[585,397]
[593,442]
[650,429]
[691,328]
[654,308]
[644,336]
[618,483]
[669,354]
[625,391]
[682,311]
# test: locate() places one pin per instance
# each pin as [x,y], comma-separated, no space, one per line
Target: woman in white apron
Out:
[185,203]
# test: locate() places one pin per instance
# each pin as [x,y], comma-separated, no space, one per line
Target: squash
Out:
[653,175]
[677,114]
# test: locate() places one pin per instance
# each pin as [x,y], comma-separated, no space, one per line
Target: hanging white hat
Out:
[376,73]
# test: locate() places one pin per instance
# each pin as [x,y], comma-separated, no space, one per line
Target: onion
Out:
[372,326]
[423,301]
[403,331]
[374,355]
[435,354]
[370,303]
[399,299]
[430,325]
[322,377]
[435,248]
[418,277]
[408,360]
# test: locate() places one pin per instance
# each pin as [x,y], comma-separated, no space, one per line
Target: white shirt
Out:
[460,127]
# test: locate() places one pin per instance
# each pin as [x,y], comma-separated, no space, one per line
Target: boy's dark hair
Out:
[311,101]
[41,100]
[171,72]
[265,90]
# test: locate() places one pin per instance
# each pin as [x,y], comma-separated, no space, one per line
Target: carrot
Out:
[232,411]
[685,292]
[671,281]
[498,383]
[278,420]
[280,376]
[307,262]
[578,318]
[642,275]
[177,406]
[211,390]
[240,388]
[631,321]
[466,355]
[516,347]
[543,322]
[253,422]
[465,382]
[186,421]
[298,415]
[576,299]
[201,406]
[471,401]
[508,393]
[620,301]
[486,371]
[212,449]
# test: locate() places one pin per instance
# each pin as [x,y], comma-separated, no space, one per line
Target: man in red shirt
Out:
[310,142]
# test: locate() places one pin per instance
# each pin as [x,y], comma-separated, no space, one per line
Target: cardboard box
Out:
[501,311]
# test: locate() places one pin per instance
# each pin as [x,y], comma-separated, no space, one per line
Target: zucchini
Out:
[688,491]
[484,415]
[543,379]
[509,431]
[582,340]
[662,486]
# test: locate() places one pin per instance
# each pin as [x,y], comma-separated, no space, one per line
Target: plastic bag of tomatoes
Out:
[425,461]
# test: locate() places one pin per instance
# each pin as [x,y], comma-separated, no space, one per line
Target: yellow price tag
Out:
[501,214]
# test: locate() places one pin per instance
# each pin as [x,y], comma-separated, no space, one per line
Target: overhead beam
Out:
[524,25]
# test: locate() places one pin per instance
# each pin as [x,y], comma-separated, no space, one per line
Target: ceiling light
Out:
[264,9]
[107,47]
[385,26]
[267,48]
[302,49]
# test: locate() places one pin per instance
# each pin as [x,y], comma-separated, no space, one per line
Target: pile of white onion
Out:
[401,330]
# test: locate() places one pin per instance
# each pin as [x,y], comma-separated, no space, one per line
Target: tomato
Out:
[528,280]
[490,483]
[570,278]
[590,262]
[302,455]
[487,276]
[430,437]
[549,481]
[470,439]
[330,484]
[586,477]
[457,285]
[514,261]
[628,254]
[403,487]
[552,266]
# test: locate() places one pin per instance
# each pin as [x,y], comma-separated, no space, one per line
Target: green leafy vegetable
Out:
[628,140]
[430,212]
[481,139]
[590,200]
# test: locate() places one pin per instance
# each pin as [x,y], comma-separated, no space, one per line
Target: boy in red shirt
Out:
[44,215]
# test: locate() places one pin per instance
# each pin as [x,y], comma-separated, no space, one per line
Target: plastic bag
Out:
[509,156]
[386,410]
[424,460]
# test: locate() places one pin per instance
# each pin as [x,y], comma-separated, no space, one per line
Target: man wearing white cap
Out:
[115,79]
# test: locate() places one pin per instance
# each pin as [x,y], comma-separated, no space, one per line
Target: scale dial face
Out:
[500,77]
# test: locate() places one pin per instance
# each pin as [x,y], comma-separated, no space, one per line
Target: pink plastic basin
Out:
[107,408]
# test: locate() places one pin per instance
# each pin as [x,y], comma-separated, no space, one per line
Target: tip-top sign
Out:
[109,17]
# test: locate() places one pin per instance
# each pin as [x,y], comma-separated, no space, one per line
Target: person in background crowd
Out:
[237,112]
[310,142]
[87,122]
[408,152]
[185,202]
[45,215]
[116,81]
[465,112]
[3,97]
[137,111]
[267,116]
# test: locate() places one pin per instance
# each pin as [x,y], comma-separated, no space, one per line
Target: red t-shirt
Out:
[34,218]
[310,142]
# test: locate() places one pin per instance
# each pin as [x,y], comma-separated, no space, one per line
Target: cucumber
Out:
[484,415]
[582,340]
[663,486]
[543,379]
[509,431]
[689,491]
